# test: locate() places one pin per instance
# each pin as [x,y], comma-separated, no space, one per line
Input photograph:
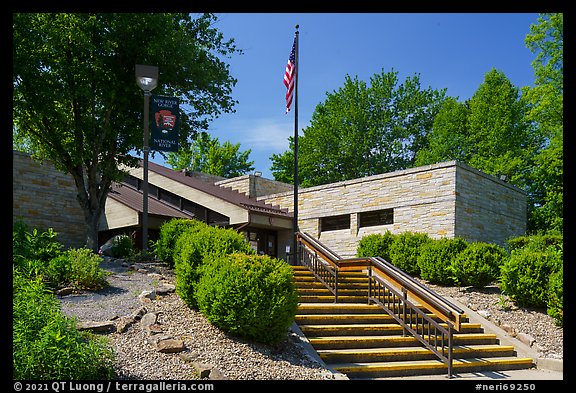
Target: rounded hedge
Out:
[555,306]
[479,264]
[436,258]
[251,296]
[376,245]
[196,243]
[170,231]
[404,251]
[525,275]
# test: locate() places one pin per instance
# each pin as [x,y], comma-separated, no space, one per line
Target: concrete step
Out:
[425,367]
[364,355]
[372,329]
[383,341]
[330,298]
[326,319]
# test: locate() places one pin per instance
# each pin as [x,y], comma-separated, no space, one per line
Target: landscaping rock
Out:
[170,345]
[97,326]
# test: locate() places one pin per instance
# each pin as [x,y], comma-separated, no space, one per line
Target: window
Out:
[334,223]
[168,197]
[376,217]
[133,181]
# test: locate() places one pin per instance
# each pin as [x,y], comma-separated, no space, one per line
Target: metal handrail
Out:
[390,285]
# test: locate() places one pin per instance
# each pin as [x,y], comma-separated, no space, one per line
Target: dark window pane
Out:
[335,222]
[377,217]
[169,197]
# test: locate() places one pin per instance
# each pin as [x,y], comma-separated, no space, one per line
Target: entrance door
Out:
[263,241]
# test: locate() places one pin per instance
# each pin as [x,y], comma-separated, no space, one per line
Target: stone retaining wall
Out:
[444,200]
[46,198]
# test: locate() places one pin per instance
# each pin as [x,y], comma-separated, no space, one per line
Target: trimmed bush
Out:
[170,231]
[526,275]
[376,245]
[479,264]
[193,246]
[405,249]
[436,258]
[556,297]
[251,296]
[46,344]
[537,242]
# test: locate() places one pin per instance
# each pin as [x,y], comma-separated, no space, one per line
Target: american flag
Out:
[289,76]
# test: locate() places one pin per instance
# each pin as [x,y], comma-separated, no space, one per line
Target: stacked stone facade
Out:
[254,186]
[443,200]
[44,197]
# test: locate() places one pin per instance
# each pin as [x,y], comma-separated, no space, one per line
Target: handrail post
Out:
[450,343]
[369,282]
[336,287]
[405,295]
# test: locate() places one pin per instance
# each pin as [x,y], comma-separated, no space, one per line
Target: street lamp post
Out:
[147,80]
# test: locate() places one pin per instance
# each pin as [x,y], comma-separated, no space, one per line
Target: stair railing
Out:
[394,291]
[312,253]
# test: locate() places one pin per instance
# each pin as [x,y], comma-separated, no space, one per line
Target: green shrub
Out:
[193,246]
[526,274]
[376,245]
[58,271]
[555,306]
[537,242]
[46,344]
[85,269]
[251,296]
[479,264]
[436,258]
[33,245]
[170,231]
[122,246]
[405,249]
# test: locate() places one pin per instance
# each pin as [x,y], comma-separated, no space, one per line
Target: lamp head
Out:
[146,77]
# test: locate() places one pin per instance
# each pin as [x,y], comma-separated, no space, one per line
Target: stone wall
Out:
[425,199]
[255,186]
[487,208]
[46,198]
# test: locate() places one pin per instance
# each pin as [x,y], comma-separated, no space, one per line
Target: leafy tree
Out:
[210,156]
[487,132]
[75,99]
[362,130]
[448,139]
[546,101]
[500,139]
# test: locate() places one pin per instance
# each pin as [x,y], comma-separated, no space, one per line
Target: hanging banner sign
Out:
[165,123]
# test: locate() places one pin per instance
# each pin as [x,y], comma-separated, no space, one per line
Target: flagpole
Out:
[295,224]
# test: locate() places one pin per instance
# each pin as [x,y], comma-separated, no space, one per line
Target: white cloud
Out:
[262,135]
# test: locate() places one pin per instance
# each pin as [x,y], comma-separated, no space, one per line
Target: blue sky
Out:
[448,50]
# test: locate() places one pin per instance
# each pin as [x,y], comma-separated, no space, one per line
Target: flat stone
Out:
[138,313]
[526,339]
[147,295]
[64,291]
[96,326]
[170,345]
[148,319]
[508,329]
[123,323]
[165,289]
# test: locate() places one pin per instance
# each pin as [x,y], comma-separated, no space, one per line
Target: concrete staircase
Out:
[362,341]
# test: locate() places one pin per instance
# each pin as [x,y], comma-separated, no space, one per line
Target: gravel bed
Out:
[233,358]
[136,357]
[493,305]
